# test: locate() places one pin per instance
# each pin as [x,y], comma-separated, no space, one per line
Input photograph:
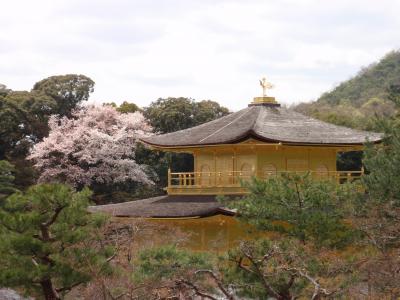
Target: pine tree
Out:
[300,206]
[380,214]
[49,242]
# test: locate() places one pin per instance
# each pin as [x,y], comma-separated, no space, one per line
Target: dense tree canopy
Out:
[24,115]
[371,82]
[125,107]
[173,114]
[128,107]
[6,179]
[355,102]
[4,90]
[383,166]
[66,90]
[23,121]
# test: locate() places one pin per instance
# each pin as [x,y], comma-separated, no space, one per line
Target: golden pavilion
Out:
[262,140]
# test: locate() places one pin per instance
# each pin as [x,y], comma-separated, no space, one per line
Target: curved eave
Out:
[251,135]
[267,125]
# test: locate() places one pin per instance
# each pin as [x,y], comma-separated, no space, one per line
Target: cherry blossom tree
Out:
[95,146]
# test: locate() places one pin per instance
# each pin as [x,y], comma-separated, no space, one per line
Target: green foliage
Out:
[23,121]
[264,269]
[127,107]
[372,81]
[379,214]
[383,161]
[49,240]
[6,179]
[383,165]
[173,114]
[4,90]
[300,206]
[25,173]
[259,269]
[355,102]
[167,261]
[394,93]
[159,162]
[66,90]
[207,110]
[24,116]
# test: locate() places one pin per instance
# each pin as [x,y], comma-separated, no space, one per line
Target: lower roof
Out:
[168,206]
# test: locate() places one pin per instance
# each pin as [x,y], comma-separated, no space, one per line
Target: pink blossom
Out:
[96,145]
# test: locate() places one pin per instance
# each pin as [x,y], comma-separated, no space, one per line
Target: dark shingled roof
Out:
[167,206]
[265,123]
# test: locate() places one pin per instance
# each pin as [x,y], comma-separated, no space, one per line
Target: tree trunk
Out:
[49,291]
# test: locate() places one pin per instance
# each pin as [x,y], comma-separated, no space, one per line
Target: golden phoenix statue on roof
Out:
[265,85]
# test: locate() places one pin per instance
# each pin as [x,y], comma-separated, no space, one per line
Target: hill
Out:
[354,102]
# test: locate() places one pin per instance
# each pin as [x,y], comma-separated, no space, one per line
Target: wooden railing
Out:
[190,180]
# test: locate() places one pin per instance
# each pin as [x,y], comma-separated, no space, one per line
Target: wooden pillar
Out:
[232,180]
[215,168]
[195,162]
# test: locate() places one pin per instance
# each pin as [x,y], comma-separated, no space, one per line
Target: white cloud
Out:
[142,50]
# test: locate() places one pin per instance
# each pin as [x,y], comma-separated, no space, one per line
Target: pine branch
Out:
[44,227]
[260,274]
[70,287]
[57,211]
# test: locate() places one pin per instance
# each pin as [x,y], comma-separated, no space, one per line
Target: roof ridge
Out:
[157,134]
[226,125]
[255,122]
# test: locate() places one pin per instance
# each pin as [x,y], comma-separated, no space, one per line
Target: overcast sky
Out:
[207,49]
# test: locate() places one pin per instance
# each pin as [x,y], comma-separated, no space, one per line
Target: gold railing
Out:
[198,180]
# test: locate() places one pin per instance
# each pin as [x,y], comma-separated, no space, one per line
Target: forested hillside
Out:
[353,102]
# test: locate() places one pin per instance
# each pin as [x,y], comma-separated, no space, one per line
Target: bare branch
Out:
[196,289]
[318,290]
[111,257]
[218,281]
[35,262]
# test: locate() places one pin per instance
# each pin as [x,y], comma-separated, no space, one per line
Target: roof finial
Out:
[265,100]
[265,85]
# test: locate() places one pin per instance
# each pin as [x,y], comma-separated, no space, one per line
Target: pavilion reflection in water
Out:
[216,233]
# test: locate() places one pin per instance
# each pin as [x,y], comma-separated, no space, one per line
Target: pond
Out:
[216,233]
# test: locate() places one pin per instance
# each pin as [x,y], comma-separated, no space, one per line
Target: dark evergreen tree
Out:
[49,240]
[67,91]
[7,177]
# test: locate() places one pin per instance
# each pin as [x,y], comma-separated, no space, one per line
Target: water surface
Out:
[215,233]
